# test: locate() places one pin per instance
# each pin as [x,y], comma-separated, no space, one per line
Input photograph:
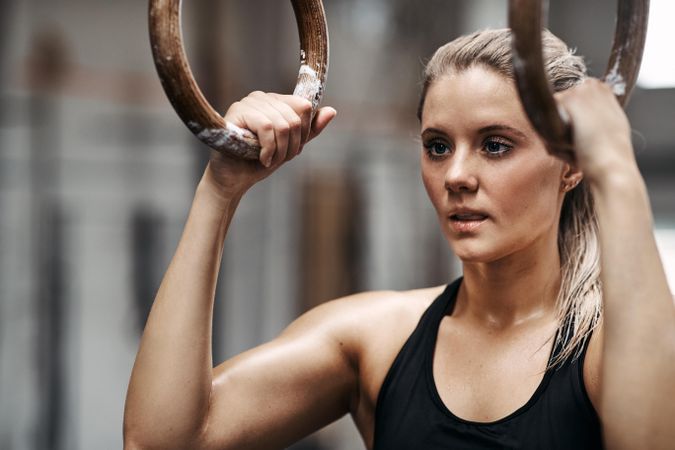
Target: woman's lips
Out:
[466,223]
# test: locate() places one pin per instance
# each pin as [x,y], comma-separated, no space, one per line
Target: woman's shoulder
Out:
[365,320]
[371,309]
[392,302]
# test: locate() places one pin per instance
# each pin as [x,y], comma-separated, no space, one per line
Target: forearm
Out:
[638,363]
[168,396]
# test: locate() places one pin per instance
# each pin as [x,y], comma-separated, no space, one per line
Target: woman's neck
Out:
[514,290]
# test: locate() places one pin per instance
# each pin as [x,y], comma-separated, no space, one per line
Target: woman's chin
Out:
[474,259]
[475,253]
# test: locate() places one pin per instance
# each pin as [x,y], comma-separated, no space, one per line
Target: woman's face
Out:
[494,186]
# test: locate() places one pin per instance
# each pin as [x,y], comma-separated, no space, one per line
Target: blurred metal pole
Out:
[147,235]
[48,62]
[7,8]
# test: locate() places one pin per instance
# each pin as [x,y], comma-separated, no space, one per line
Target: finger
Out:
[264,104]
[323,117]
[303,108]
[253,119]
[294,121]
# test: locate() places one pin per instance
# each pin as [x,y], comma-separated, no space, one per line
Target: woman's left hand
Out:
[601,130]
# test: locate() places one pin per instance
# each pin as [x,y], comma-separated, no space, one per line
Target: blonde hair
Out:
[579,302]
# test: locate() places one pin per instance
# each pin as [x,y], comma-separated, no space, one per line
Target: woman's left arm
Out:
[637,358]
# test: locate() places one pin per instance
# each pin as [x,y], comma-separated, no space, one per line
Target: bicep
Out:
[281,391]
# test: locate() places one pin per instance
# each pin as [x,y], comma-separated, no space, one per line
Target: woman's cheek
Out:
[435,190]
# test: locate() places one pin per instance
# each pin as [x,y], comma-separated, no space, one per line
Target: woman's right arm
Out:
[175,399]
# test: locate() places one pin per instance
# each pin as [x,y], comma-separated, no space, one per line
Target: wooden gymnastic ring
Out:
[187,99]
[536,94]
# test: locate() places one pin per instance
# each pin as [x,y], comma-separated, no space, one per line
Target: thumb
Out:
[321,120]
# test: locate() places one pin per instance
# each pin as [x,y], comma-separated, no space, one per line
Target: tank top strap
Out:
[444,303]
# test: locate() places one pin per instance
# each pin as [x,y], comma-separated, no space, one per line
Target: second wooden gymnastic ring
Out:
[525,20]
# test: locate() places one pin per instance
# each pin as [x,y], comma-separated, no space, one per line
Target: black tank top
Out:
[410,414]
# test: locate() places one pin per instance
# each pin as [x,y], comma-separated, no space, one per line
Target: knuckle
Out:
[248,101]
[267,126]
[283,129]
[305,106]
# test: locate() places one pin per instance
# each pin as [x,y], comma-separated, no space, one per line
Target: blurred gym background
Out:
[97,174]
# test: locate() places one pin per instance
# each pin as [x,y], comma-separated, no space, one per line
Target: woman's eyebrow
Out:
[432,131]
[502,127]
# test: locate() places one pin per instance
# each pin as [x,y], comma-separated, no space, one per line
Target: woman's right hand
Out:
[282,124]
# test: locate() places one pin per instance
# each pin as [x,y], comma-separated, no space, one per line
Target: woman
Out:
[535,347]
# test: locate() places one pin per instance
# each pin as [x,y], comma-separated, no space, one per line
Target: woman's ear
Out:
[571,177]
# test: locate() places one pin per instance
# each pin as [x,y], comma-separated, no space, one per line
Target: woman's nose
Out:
[460,175]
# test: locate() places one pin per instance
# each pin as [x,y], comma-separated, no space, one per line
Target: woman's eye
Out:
[437,148]
[497,148]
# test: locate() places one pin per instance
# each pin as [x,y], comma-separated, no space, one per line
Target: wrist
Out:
[608,161]
[625,182]
[223,199]
[224,186]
